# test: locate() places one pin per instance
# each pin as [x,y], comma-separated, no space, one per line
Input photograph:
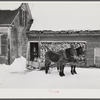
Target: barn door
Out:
[97,56]
[34,50]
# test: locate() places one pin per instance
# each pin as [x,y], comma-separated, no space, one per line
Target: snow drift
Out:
[18,65]
[17,76]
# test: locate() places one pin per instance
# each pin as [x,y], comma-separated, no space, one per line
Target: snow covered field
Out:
[17,76]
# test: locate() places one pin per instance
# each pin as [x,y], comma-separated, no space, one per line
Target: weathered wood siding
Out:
[4,49]
[18,35]
[13,44]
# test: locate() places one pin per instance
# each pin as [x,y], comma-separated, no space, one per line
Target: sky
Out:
[62,15]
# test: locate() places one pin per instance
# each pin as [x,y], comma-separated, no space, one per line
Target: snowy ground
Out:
[17,76]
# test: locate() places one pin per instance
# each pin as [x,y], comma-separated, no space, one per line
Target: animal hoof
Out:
[46,72]
[61,74]
[75,72]
[72,73]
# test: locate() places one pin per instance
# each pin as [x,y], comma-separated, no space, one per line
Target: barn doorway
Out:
[34,50]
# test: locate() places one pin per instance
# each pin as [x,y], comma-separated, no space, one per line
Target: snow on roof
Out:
[9,6]
[64,32]
[18,65]
[7,16]
[8,12]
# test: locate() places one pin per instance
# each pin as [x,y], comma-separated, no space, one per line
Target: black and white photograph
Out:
[50,45]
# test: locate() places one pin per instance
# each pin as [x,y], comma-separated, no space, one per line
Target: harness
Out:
[67,58]
[62,56]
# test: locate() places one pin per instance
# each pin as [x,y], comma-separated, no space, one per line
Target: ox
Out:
[61,58]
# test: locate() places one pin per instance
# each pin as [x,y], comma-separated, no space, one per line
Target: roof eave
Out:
[14,18]
[6,25]
[42,34]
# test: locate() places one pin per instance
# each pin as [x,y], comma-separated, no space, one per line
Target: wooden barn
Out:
[56,40]
[13,27]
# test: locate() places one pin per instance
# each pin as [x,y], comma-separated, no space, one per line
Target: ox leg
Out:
[74,69]
[57,67]
[47,64]
[61,73]
[63,70]
[46,69]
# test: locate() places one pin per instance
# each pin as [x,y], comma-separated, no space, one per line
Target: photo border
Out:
[37,94]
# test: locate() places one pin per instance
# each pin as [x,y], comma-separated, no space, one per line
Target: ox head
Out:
[80,51]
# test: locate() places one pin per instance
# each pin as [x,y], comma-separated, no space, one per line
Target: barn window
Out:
[21,17]
[3,44]
[25,18]
[97,56]
[0,44]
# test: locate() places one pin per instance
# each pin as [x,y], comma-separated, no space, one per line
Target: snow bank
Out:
[17,76]
[18,65]
[85,79]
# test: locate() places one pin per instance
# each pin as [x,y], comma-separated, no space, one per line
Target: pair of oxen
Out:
[68,56]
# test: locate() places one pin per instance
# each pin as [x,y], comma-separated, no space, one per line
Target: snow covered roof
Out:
[8,12]
[63,33]
[7,16]
[9,6]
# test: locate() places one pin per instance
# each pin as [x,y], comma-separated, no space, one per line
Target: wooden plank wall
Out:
[92,42]
[4,49]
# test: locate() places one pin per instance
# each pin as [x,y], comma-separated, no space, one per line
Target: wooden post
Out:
[86,55]
[9,45]
[28,54]
[8,52]
[39,50]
